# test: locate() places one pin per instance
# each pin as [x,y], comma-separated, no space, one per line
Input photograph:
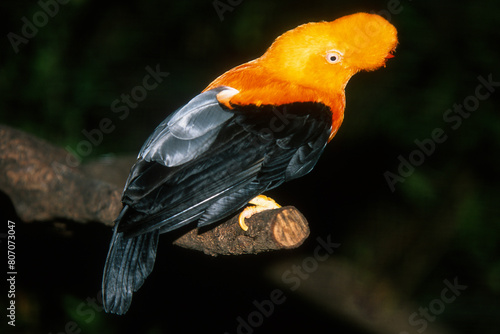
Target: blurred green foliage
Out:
[65,79]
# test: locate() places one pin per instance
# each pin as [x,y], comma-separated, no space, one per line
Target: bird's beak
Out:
[389,56]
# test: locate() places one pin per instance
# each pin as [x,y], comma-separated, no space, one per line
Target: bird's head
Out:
[324,55]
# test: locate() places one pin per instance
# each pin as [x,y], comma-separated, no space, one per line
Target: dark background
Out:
[397,247]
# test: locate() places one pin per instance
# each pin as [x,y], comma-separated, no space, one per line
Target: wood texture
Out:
[44,186]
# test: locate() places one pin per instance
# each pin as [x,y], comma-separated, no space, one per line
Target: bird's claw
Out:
[259,204]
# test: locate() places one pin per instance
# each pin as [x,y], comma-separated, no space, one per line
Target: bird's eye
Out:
[333,57]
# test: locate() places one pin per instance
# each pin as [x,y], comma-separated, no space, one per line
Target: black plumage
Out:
[200,165]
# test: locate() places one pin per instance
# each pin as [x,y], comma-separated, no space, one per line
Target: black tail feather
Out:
[129,262]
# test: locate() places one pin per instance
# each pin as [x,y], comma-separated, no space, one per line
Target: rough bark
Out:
[269,230]
[46,183]
[42,186]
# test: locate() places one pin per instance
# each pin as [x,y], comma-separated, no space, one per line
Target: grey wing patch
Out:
[189,131]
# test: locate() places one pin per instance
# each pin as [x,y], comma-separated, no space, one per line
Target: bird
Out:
[254,127]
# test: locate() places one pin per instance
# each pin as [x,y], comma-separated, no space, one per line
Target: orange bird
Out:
[256,126]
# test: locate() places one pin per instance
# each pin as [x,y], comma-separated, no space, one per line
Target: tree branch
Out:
[268,230]
[37,178]
[46,182]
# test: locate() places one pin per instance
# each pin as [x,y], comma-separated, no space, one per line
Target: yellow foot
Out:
[259,204]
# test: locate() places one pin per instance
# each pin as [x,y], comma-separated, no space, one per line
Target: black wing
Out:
[206,161]
[203,163]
